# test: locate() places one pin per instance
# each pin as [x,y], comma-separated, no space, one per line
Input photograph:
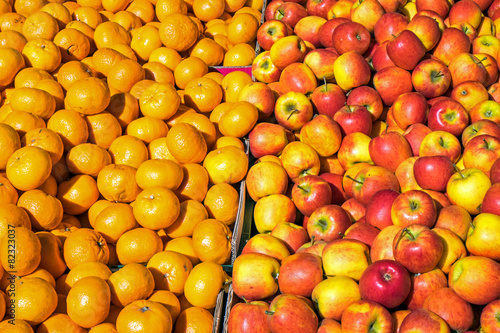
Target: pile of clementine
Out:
[121,158]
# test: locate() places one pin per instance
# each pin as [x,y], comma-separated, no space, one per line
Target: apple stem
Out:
[313,238]
[403,232]
[355,180]
[292,113]
[458,170]
[267,312]
[341,235]
[324,80]
[472,225]
[244,299]
[303,189]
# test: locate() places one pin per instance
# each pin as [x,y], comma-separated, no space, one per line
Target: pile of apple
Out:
[376,179]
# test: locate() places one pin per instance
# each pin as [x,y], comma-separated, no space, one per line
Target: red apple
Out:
[323,134]
[267,139]
[311,192]
[423,285]
[329,325]
[287,50]
[431,78]
[489,317]
[441,7]
[293,110]
[433,172]
[271,8]
[351,36]
[405,175]
[354,150]
[456,219]
[382,244]
[366,316]
[379,57]
[300,159]
[369,98]
[293,235]
[268,245]
[448,115]
[465,11]
[354,208]
[391,82]
[485,110]
[378,209]
[328,223]
[389,150]
[367,13]
[335,181]
[441,143]
[319,7]
[409,108]
[351,70]
[288,312]
[328,98]
[314,247]
[406,50]
[298,77]
[362,232]
[308,28]
[481,152]
[300,273]
[426,29]
[414,207]
[451,307]
[422,320]
[290,12]
[469,93]
[263,68]
[389,25]
[353,118]
[321,61]
[480,127]
[266,178]
[248,317]
[269,32]
[453,42]
[495,172]
[326,30]
[414,134]
[466,67]
[372,179]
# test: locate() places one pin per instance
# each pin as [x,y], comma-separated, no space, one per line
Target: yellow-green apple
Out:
[448,115]
[386,282]
[328,98]
[457,313]
[480,127]
[263,68]
[410,108]
[378,209]
[369,98]
[321,61]
[389,150]
[367,12]
[467,188]
[347,257]
[300,159]
[267,139]
[405,175]
[314,247]
[353,118]
[270,31]
[268,245]
[456,219]
[335,181]
[333,295]
[453,42]
[290,12]
[380,59]
[405,49]
[469,276]
[289,312]
[319,7]
[363,232]
[495,172]
[491,65]
[354,149]
[390,82]
[489,110]
[465,11]
[271,210]
[326,30]
[323,134]
[287,50]
[484,232]
[423,321]
[329,325]
[271,9]
[441,7]
[382,244]
[354,208]
[481,152]
[414,207]
[293,110]
[491,201]
[266,178]
[298,77]
[367,316]
[441,143]
[431,77]
[422,285]
[308,27]
[255,276]
[372,179]
[260,95]
[489,317]
[466,67]
[351,70]
[398,316]
[293,235]
[433,172]
[389,25]
[328,223]
[453,249]
[311,192]
[469,93]
[434,15]
[300,273]
[426,29]
[347,178]
[418,248]
[248,317]
[414,134]
[351,36]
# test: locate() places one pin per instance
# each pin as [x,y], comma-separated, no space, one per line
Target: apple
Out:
[314,247]
[271,8]
[467,189]
[331,164]
[348,177]
[441,7]
[319,7]
[485,110]
[389,150]
[414,134]
[298,77]
[300,273]
[311,192]
[299,159]
[410,108]
[466,67]
[263,68]
[486,44]
[333,295]
[288,312]
[367,12]
[351,70]
[382,244]
[422,320]
[328,98]
[323,134]
[440,199]
[363,232]
[335,181]
[489,317]
[353,118]
[378,209]
[406,50]
[266,178]
[328,223]
[347,257]
[418,248]
[469,93]
[414,207]
[269,32]
[454,218]
[468,29]
[495,172]
[405,176]
[260,95]
[293,110]
[469,276]
[367,316]
[287,50]
[453,249]
[431,78]
[483,232]
[433,172]
[379,57]
[271,210]
[354,208]
[441,143]
[326,30]
[267,139]
[268,245]
[389,25]
[491,201]
[354,149]
[290,12]
[423,285]
[351,36]
[452,43]
[328,325]
[255,276]
[397,317]
[370,180]
[321,61]
[480,127]
[308,28]
[465,11]
[390,82]
[491,65]
[369,98]
[293,235]
[426,29]
[448,115]
[481,152]
[434,15]
[248,317]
